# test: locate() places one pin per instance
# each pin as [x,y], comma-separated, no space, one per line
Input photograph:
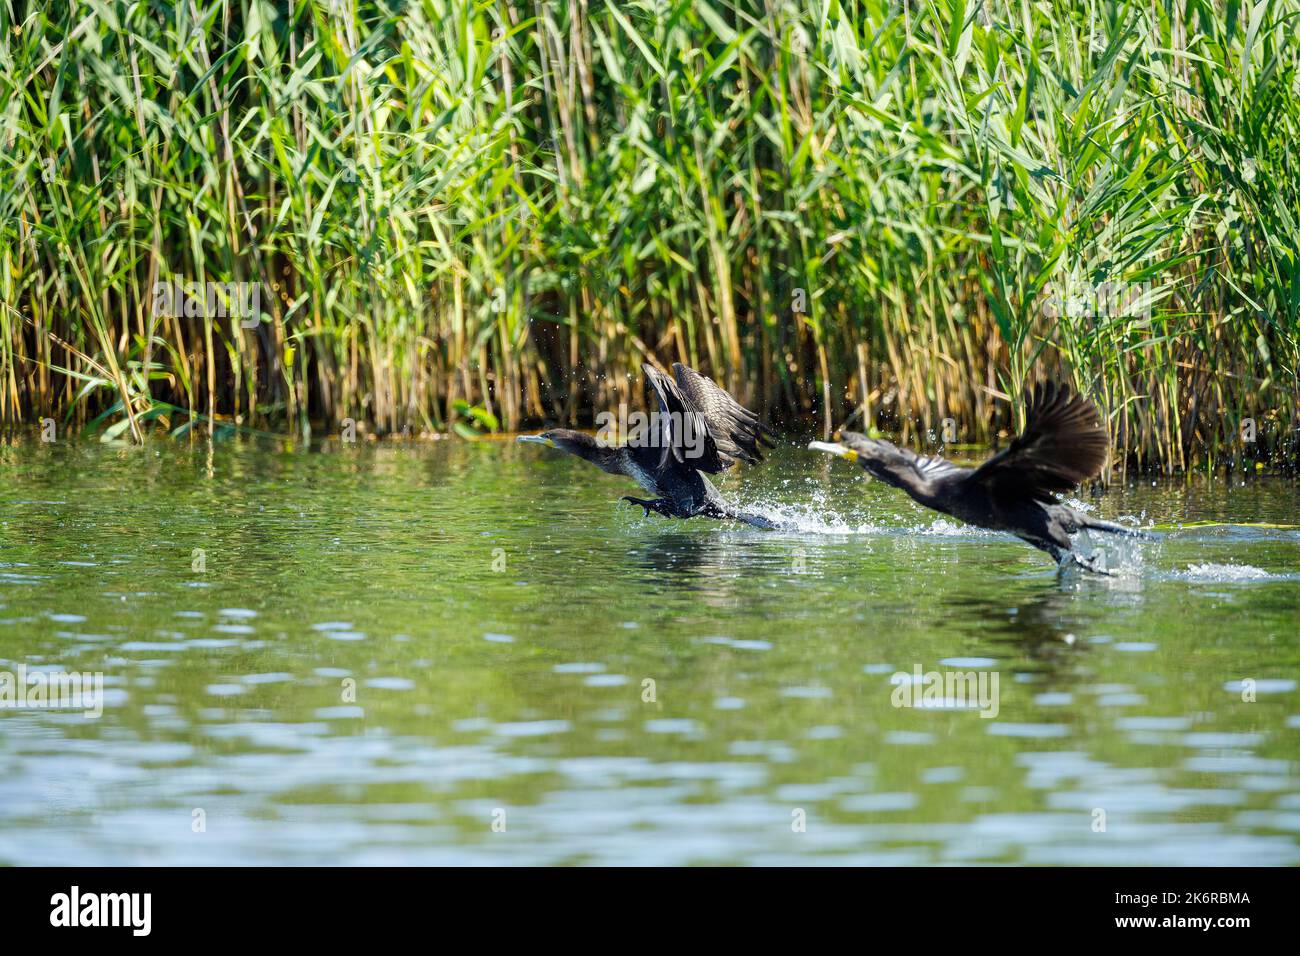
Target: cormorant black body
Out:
[697,429]
[1063,444]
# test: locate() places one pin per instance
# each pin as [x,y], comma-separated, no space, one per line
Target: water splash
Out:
[811,513]
[1222,573]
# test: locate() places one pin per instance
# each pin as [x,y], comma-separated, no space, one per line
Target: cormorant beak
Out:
[834,448]
[536,440]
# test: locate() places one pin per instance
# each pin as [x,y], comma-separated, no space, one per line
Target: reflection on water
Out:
[373,655]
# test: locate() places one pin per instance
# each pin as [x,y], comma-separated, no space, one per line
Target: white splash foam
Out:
[1223,572]
[812,515]
[944,528]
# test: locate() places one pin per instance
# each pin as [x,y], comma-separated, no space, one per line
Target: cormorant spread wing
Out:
[1063,444]
[729,431]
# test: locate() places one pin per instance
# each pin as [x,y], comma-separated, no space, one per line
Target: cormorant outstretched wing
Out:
[729,432]
[739,434]
[1063,444]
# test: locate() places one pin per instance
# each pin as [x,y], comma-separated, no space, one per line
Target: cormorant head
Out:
[873,454]
[840,448]
[880,459]
[584,446]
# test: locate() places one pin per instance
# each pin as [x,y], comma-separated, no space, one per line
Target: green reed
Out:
[489,214]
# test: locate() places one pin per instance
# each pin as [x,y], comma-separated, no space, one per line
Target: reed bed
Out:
[483,215]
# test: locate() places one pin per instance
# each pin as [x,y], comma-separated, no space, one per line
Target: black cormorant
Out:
[695,428]
[1062,445]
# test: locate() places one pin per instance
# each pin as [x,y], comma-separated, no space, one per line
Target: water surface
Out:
[473,653]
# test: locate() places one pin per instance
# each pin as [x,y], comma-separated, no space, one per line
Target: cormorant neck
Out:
[581,445]
[910,482]
[893,469]
[605,457]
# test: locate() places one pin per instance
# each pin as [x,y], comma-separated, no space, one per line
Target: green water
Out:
[388,650]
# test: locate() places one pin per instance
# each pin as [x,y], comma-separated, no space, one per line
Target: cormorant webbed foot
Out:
[1093,562]
[659,505]
[753,520]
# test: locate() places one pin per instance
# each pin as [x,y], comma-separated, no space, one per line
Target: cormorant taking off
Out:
[695,427]
[1062,445]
